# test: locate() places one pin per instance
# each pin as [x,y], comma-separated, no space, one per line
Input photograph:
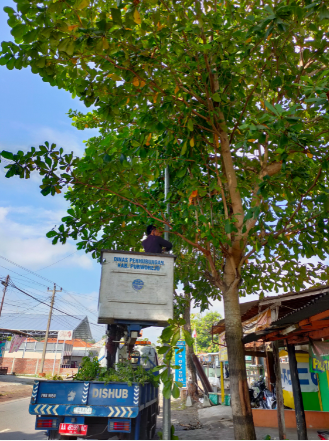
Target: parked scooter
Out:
[323,434]
[264,398]
[271,397]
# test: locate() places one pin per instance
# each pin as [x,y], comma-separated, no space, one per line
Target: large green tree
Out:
[232,96]
[202,324]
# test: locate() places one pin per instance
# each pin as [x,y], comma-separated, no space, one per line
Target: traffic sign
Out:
[180,360]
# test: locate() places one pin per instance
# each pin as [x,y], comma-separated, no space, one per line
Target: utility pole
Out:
[4,292]
[48,325]
[166,401]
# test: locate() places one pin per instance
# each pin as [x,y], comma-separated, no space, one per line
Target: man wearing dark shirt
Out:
[154,242]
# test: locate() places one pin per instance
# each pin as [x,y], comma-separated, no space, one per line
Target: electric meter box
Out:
[136,287]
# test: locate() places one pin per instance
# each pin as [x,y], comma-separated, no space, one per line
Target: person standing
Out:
[154,243]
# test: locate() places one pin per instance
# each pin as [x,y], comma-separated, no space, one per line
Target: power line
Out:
[40,301]
[22,275]
[64,290]
[25,269]
[14,286]
[44,278]
[57,261]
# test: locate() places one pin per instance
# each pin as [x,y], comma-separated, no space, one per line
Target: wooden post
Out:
[278,389]
[5,284]
[54,290]
[298,399]
[222,382]
[270,370]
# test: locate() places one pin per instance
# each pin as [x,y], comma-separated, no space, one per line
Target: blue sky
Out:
[32,112]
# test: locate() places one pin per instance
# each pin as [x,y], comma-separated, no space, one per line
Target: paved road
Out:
[16,422]
[17,380]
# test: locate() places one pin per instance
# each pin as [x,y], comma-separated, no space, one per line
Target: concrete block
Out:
[206,401]
[188,402]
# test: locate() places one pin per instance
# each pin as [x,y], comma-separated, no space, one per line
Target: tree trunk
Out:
[240,402]
[192,388]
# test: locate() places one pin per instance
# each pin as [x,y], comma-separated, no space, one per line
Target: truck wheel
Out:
[53,434]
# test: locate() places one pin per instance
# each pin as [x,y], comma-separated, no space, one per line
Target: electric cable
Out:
[40,301]
[31,272]
[25,269]
[57,261]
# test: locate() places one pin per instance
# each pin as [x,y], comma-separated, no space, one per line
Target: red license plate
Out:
[73,429]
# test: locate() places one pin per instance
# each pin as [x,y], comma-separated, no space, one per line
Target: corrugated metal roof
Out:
[289,303]
[37,323]
[312,307]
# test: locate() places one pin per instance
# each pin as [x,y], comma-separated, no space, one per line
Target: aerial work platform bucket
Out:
[136,287]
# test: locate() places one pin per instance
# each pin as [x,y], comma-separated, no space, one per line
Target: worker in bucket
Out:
[154,243]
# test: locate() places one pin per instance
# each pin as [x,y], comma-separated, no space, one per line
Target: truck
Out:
[136,292]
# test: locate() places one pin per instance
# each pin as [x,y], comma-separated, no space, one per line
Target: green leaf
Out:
[216,97]
[188,338]
[271,107]
[229,227]
[167,333]
[7,155]
[323,13]
[11,63]
[176,337]
[70,48]
[81,4]
[4,60]
[19,30]
[175,391]
[190,124]
[184,148]
[63,44]
[167,390]
[9,10]
[116,77]
[181,173]
[173,436]
[51,233]
[116,16]
[45,191]
[163,350]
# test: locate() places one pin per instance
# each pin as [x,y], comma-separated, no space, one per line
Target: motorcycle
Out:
[264,398]
[323,434]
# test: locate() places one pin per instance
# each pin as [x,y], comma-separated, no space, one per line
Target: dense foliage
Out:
[202,323]
[124,372]
[172,78]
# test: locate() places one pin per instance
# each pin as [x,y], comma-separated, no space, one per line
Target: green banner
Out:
[319,356]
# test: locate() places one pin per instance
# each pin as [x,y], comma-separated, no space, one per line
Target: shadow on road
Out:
[21,435]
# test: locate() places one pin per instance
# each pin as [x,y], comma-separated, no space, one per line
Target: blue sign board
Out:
[180,360]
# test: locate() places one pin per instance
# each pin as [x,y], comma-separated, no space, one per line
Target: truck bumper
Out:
[96,411]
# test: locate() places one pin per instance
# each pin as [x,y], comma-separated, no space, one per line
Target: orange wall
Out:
[269,418]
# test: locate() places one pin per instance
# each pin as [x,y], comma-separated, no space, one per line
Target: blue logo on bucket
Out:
[138,284]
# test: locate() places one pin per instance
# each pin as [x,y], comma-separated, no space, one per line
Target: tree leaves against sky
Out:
[191,86]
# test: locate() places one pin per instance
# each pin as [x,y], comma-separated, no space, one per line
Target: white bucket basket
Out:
[136,287]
